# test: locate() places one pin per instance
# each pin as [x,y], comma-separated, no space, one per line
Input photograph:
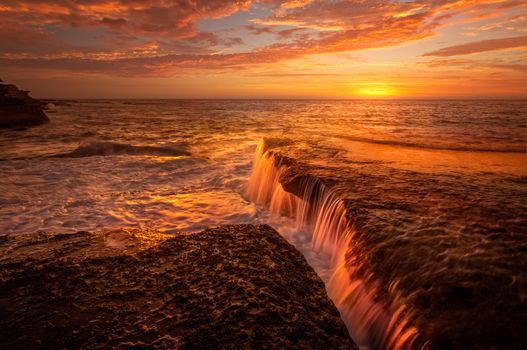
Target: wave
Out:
[100,148]
[463,148]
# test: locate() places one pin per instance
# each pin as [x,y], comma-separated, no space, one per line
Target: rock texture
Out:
[228,287]
[458,253]
[17,108]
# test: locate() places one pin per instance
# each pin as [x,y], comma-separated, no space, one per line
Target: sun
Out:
[376,90]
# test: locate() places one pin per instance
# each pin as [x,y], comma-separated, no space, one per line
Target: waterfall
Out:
[318,210]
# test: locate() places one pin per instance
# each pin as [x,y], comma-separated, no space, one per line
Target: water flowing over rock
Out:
[17,108]
[390,295]
[238,286]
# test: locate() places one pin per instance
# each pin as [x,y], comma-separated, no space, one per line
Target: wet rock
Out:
[453,249]
[227,287]
[18,109]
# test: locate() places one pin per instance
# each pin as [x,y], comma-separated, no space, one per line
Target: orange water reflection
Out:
[435,160]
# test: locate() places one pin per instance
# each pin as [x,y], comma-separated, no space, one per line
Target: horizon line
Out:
[510,98]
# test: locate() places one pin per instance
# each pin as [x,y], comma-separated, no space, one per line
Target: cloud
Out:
[470,64]
[150,66]
[516,67]
[258,30]
[449,63]
[159,37]
[295,75]
[117,22]
[481,46]
[288,33]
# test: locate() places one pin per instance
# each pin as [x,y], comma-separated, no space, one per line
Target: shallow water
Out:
[436,189]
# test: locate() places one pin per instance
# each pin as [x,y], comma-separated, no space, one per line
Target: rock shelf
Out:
[226,287]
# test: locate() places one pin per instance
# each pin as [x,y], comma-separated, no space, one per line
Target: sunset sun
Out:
[376,90]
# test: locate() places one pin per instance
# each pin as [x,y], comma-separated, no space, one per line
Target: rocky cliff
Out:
[17,108]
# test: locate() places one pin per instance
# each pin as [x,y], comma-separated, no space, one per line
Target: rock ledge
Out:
[223,288]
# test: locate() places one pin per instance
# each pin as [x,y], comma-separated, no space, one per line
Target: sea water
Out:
[425,202]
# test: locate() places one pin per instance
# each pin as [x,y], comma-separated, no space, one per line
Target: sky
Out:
[265,48]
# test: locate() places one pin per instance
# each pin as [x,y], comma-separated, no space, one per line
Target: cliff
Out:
[17,108]
[240,286]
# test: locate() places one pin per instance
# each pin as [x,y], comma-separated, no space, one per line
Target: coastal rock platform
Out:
[450,249]
[226,287]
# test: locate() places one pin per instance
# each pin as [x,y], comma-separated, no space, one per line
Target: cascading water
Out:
[319,211]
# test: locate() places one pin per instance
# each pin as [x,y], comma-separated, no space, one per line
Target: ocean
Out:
[413,212]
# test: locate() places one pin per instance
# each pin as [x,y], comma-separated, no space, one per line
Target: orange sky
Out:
[265,49]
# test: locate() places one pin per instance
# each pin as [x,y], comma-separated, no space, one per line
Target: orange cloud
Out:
[481,46]
[158,37]
[106,24]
